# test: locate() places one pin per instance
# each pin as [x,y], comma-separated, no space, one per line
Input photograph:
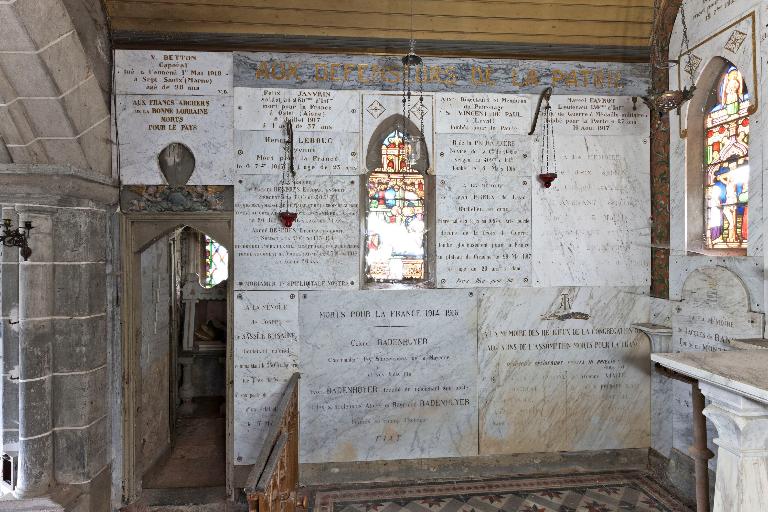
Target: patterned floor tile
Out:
[595,492]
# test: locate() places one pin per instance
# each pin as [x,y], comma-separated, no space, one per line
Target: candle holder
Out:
[547,178]
[287,218]
[17,237]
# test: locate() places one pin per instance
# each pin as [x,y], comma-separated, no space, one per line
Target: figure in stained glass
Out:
[726,163]
[395,218]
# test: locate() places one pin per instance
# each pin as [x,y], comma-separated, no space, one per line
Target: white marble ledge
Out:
[749,344]
[740,371]
[654,328]
[660,336]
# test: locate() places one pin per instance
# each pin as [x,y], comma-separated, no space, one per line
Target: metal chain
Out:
[688,68]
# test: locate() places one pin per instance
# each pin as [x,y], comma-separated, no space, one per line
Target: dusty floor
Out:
[197,457]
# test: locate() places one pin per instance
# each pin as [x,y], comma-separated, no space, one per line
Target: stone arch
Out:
[706,285]
[387,126]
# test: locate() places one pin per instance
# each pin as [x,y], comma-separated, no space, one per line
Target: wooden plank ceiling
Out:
[614,28]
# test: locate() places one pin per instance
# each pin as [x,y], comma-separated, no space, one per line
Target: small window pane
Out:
[216,263]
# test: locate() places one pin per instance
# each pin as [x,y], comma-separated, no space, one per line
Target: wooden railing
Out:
[273,482]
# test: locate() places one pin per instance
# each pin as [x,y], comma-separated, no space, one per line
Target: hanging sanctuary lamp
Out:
[548,172]
[17,237]
[665,101]
[412,143]
[288,180]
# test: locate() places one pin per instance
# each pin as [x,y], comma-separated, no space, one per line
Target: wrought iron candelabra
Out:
[17,237]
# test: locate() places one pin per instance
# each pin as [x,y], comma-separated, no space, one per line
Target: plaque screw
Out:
[525,155]
[240,181]
[240,283]
[442,182]
[471,294]
[525,279]
[442,153]
[293,295]
[352,282]
[525,182]
[239,107]
[442,281]
[354,153]
[239,295]
[303,295]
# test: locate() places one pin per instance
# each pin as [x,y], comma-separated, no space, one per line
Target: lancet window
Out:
[726,162]
[396,215]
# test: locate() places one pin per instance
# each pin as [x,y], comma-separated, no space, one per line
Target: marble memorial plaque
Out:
[482,113]
[265,356]
[173,72]
[320,250]
[469,154]
[147,124]
[714,310]
[315,153]
[592,227]
[388,375]
[562,370]
[309,110]
[599,115]
[483,231]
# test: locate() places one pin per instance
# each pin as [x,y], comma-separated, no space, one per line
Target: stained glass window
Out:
[726,162]
[216,262]
[396,216]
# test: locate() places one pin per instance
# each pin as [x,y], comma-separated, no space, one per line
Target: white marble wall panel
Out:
[713,310]
[562,370]
[483,113]
[707,17]
[309,110]
[377,107]
[320,250]
[388,375]
[266,354]
[592,227]
[734,41]
[483,231]
[599,115]
[148,123]
[470,154]
[315,153]
[173,72]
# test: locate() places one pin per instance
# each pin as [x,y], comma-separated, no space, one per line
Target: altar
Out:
[735,384]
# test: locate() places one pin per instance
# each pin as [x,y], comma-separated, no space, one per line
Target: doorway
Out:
[176,354]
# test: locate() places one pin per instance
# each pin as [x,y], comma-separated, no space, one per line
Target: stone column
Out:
[661,389]
[36,306]
[742,454]
[9,336]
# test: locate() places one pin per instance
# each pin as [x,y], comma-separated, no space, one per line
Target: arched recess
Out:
[694,160]
[387,126]
[138,232]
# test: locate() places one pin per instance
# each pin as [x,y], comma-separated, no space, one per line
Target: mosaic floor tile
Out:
[594,492]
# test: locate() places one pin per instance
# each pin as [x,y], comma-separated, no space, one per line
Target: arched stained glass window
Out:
[726,162]
[395,220]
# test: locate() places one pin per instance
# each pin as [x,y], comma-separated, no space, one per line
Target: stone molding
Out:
[55,185]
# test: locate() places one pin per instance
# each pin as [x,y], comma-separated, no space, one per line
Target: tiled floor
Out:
[596,492]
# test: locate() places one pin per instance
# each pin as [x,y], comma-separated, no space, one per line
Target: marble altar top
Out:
[741,371]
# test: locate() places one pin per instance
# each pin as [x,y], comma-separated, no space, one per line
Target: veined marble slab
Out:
[439,74]
[309,110]
[742,371]
[266,353]
[320,250]
[713,310]
[473,154]
[315,153]
[146,124]
[483,231]
[599,115]
[592,227]
[388,375]
[483,113]
[561,369]
[173,72]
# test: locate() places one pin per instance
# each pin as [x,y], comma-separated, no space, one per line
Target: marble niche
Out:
[714,310]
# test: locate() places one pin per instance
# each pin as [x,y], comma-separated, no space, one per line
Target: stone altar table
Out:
[736,384]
